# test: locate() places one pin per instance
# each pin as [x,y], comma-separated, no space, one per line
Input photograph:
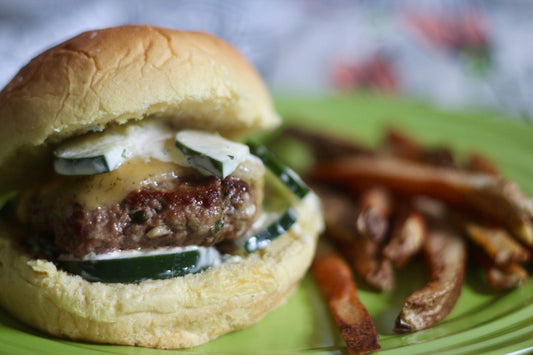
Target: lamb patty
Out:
[189,210]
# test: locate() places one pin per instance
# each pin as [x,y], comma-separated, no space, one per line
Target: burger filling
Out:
[144,197]
[177,208]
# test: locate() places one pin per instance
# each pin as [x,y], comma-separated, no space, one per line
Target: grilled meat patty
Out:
[187,210]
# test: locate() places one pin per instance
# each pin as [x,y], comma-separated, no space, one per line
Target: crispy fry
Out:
[499,277]
[400,145]
[506,277]
[335,279]
[339,212]
[445,254]
[476,191]
[403,146]
[367,261]
[407,237]
[495,242]
[364,253]
[489,209]
[375,208]
[327,147]
[481,164]
[397,143]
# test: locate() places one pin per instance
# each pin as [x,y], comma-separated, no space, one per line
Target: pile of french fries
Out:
[384,206]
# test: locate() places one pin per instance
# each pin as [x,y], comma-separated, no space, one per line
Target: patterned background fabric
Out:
[453,53]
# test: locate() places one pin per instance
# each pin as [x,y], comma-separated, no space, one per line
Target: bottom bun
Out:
[175,313]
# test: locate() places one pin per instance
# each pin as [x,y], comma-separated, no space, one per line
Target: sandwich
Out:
[134,209]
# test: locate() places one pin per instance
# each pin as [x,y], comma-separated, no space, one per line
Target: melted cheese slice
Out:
[106,190]
[111,188]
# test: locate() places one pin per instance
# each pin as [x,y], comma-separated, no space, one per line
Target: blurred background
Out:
[451,53]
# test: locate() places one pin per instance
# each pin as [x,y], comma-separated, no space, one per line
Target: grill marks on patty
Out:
[188,210]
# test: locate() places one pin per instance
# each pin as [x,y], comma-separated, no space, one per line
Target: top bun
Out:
[127,73]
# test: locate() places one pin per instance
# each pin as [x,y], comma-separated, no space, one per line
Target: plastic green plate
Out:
[481,323]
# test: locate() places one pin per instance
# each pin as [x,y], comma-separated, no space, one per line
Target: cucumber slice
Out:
[103,159]
[102,152]
[143,267]
[211,153]
[271,226]
[286,175]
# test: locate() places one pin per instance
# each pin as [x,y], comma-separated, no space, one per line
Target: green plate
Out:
[482,322]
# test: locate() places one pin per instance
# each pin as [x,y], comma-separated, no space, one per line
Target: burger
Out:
[133,210]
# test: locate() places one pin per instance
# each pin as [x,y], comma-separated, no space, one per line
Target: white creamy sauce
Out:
[251,169]
[128,253]
[152,140]
[205,252]
[209,256]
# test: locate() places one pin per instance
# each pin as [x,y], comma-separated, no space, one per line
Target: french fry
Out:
[495,242]
[403,146]
[445,254]
[336,282]
[365,257]
[327,147]
[499,277]
[398,144]
[363,253]
[375,207]
[506,277]
[407,237]
[476,191]
[481,164]
[388,205]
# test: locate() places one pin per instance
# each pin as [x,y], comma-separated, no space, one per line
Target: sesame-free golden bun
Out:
[168,314]
[115,75]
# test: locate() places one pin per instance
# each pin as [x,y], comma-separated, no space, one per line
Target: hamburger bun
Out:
[168,314]
[107,78]
[115,75]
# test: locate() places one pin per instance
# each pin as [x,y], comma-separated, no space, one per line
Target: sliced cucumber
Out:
[278,218]
[271,226]
[151,266]
[103,159]
[102,152]
[286,175]
[211,153]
